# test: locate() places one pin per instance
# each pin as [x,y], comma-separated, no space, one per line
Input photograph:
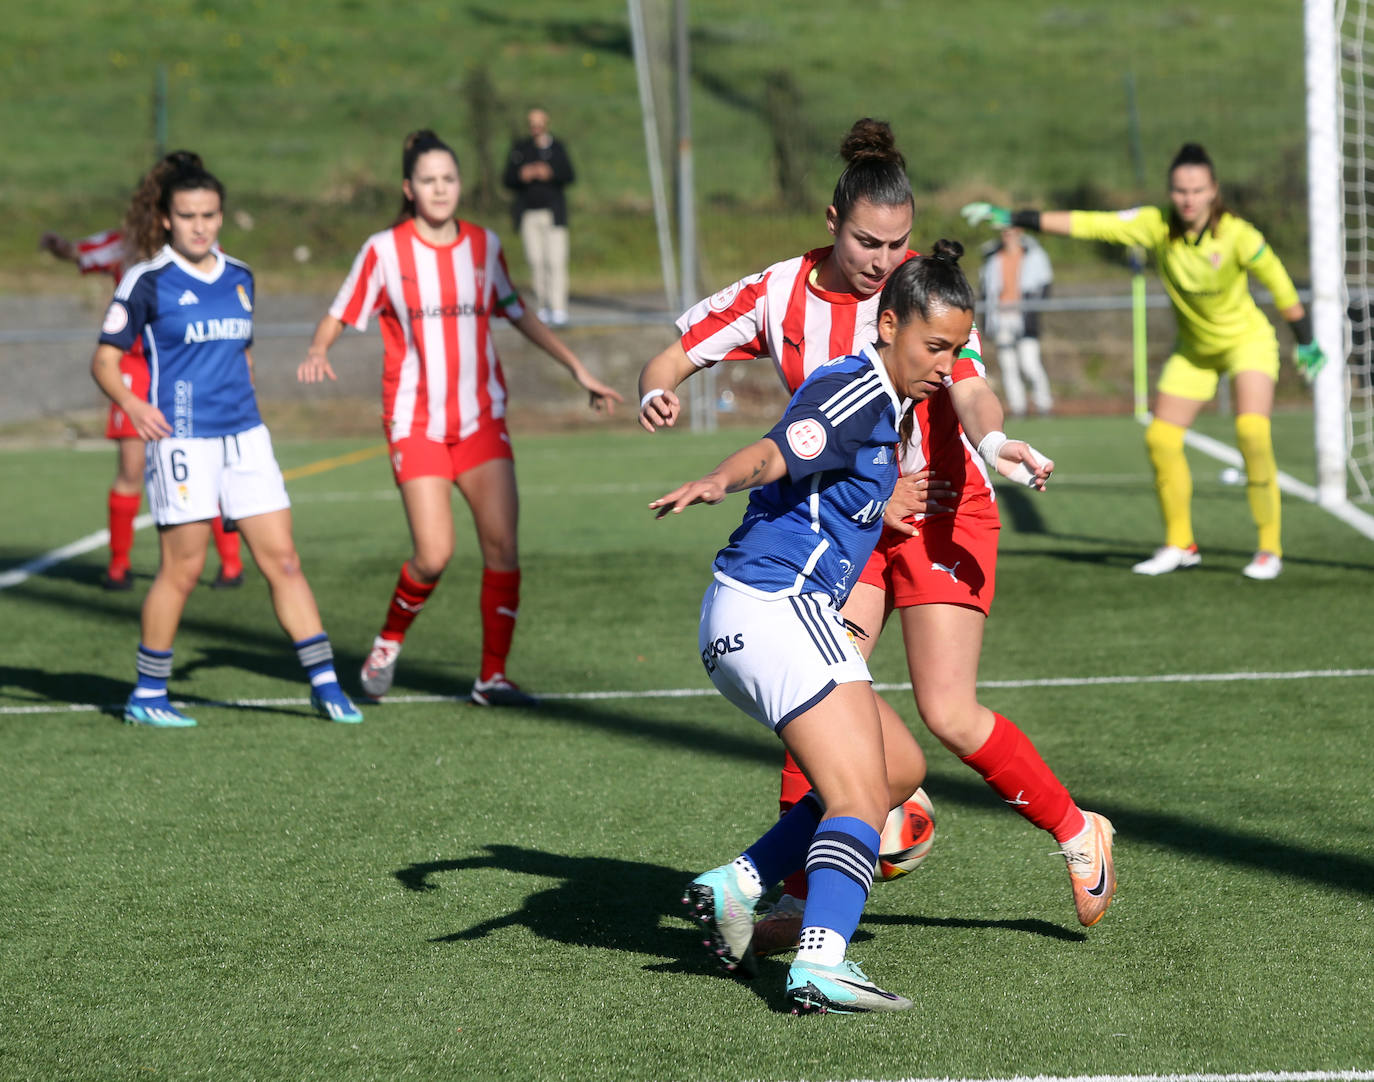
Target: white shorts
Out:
[198,478]
[776,658]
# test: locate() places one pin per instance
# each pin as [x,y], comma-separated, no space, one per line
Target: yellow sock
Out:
[1173,481]
[1261,478]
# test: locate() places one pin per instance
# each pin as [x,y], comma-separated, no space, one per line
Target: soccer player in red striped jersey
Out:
[435,282]
[936,561]
[108,252]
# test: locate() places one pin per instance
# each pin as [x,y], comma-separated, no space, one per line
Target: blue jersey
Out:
[813,530]
[195,328]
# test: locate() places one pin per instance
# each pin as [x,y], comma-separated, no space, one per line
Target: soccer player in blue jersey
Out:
[207,448]
[774,643]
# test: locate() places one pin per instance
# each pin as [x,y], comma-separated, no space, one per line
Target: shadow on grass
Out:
[615,904]
[598,902]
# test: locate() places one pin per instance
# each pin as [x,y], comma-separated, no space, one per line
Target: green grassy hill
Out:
[301,109]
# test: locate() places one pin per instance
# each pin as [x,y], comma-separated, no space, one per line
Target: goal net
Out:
[1354,110]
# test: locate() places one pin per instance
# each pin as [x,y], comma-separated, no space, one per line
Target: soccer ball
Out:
[906,837]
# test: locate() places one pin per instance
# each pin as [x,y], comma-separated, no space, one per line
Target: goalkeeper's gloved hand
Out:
[978,213]
[1309,358]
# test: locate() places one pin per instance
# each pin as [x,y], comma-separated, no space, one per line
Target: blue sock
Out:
[839,871]
[317,658]
[154,670]
[781,851]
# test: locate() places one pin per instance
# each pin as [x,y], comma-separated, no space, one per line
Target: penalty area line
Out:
[702,692]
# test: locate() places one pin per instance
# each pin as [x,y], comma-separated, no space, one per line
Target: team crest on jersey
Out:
[479,277]
[1216,261]
[243,299]
[726,297]
[806,438]
[116,318]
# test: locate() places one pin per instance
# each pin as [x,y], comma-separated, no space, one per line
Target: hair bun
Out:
[415,138]
[869,138]
[947,251]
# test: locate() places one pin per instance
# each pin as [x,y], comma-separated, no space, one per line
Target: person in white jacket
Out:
[1016,269]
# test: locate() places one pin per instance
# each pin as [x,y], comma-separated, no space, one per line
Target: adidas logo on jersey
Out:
[188,298]
[883,457]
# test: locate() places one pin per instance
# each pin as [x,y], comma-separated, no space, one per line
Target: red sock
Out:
[1010,764]
[227,545]
[123,510]
[406,602]
[794,787]
[500,602]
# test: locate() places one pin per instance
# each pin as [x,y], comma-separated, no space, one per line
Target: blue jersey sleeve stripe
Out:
[876,392]
[851,387]
[135,274]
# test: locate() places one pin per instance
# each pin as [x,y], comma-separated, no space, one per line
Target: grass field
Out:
[301,109]
[448,892]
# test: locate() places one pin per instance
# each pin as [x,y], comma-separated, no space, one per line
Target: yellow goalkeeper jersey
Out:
[1204,275]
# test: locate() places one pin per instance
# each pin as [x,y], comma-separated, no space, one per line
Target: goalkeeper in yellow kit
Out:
[1204,255]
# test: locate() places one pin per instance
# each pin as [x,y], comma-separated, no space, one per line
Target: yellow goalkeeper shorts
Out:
[1193,375]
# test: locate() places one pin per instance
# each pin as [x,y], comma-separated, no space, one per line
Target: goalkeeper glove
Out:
[978,213]
[1309,358]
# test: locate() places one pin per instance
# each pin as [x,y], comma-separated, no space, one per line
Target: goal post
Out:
[1327,245]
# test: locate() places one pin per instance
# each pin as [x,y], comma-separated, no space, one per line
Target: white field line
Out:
[1259,1076]
[1360,521]
[706,691]
[15,575]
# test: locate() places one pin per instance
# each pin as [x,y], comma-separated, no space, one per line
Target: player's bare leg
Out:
[182,557]
[274,551]
[839,744]
[943,644]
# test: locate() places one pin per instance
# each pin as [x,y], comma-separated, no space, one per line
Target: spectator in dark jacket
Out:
[537,170]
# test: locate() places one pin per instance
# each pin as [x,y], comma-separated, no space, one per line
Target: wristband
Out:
[644,402]
[1302,329]
[1026,219]
[990,445]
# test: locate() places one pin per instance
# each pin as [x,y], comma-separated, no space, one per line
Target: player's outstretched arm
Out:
[1042,221]
[658,404]
[58,245]
[749,467]
[316,367]
[601,396]
[981,416]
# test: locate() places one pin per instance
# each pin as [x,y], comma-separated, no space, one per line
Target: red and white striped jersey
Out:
[781,313]
[102,253]
[440,374]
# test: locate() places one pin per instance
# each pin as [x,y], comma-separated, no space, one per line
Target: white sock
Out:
[748,877]
[825,946]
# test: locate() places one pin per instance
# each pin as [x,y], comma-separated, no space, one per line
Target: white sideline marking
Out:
[82,545]
[701,692]
[1259,1076]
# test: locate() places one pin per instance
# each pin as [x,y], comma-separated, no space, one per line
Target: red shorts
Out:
[417,456]
[133,370]
[952,561]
